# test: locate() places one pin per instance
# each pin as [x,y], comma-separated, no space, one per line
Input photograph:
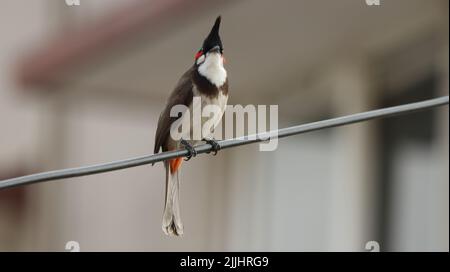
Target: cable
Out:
[205,148]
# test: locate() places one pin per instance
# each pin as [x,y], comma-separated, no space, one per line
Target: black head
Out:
[213,38]
[212,41]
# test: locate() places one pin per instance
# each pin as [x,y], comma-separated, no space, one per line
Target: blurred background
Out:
[85,84]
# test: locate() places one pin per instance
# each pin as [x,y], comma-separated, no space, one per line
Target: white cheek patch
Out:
[201,59]
[212,68]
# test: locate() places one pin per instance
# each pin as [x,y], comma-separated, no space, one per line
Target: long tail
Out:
[171,223]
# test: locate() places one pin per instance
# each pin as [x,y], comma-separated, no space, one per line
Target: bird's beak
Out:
[215,49]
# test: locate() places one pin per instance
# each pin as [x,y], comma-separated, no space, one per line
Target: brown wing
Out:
[181,95]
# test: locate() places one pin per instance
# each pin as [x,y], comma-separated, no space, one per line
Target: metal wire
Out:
[206,148]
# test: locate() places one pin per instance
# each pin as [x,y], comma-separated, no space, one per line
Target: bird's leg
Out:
[215,145]
[189,148]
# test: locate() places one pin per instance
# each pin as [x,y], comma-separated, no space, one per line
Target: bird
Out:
[208,80]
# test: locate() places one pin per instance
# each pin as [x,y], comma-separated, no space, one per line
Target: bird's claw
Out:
[215,146]
[189,148]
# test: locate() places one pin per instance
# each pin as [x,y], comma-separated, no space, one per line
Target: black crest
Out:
[213,38]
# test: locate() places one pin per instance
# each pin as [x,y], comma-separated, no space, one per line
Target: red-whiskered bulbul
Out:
[206,79]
